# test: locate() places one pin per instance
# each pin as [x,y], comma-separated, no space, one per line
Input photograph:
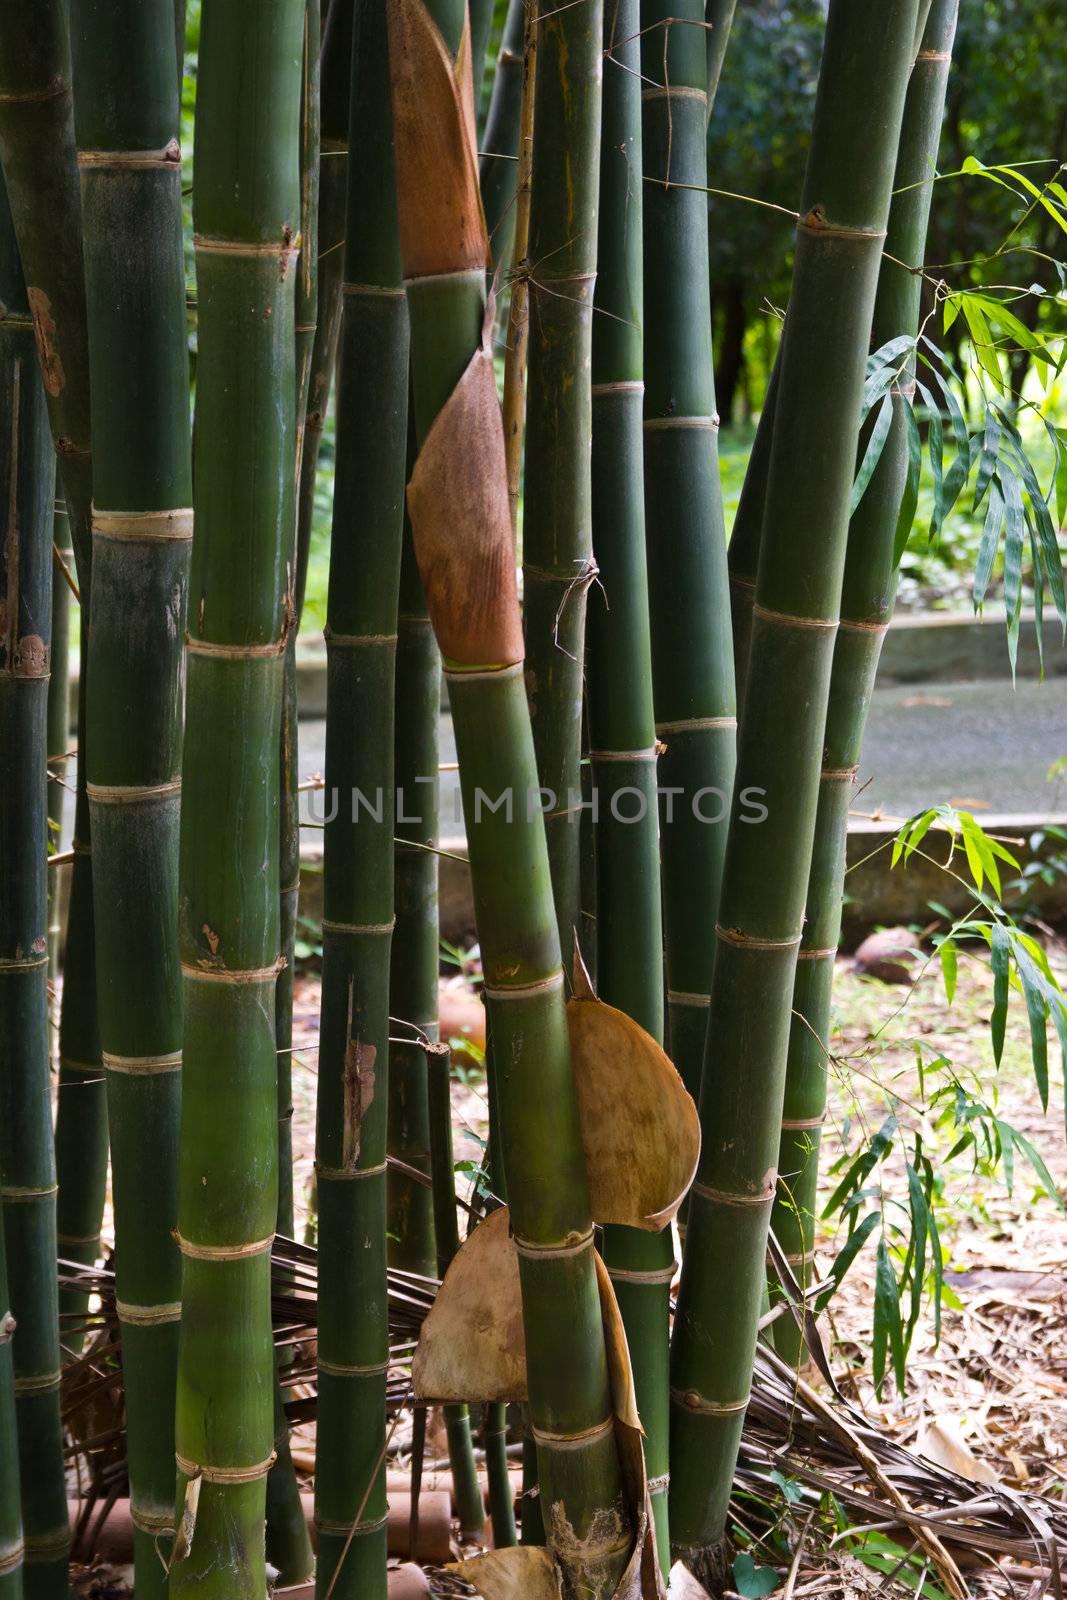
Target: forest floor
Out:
[988,1399]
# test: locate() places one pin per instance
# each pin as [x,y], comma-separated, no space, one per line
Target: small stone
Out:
[892,956]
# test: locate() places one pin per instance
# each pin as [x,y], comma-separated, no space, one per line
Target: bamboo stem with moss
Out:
[867,597]
[692,657]
[37,149]
[619,703]
[866,61]
[127,124]
[361,640]
[557,546]
[461,528]
[27,1158]
[246,219]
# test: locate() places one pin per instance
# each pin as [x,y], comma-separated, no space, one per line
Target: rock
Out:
[893,956]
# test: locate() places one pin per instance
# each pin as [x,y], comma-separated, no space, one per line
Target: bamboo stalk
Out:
[691,647]
[58,726]
[246,217]
[11,1546]
[517,343]
[557,546]
[499,164]
[466,1489]
[866,61]
[288,1541]
[40,168]
[463,544]
[353,1350]
[719,15]
[743,554]
[619,703]
[27,1160]
[867,598]
[127,125]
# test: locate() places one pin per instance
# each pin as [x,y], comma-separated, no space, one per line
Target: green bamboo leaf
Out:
[949,966]
[982,339]
[910,498]
[919,1232]
[999,1016]
[849,1251]
[872,455]
[987,548]
[972,850]
[1037,1014]
[887,1325]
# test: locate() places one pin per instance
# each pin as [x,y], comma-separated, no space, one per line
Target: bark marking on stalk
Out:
[44,326]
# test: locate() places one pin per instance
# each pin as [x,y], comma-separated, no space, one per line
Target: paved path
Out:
[983,746]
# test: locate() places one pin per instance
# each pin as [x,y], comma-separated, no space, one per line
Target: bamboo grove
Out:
[657,951]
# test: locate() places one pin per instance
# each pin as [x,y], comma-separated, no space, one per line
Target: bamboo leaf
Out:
[999,1017]
[872,455]
[910,497]
[987,548]
[949,966]
[888,1330]
[849,1251]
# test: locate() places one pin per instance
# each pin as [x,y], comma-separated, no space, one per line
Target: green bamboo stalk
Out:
[11,1546]
[499,163]
[306,325]
[619,704]
[413,972]
[867,598]
[127,125]
[40,168]
[27,1160]
[288,1541]
[58,723]
[743,554]
[466,1490]
[467,567]
[866,61]
[691,649]
[335,76]
[481,26]
[495,1425]
[719,15]
[557,547]
[246,217]
[361,639]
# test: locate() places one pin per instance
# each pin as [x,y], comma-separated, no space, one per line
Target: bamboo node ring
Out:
[347,1174]
[650,755]
[745,942]
[193,1469]
[341,1530]
[678,997]
[148,1316]
[159,1524]
[222,1252]
[817,955]
[552,1252]
[696,724]
[211,974]
[40,1383]
[523,991]
[654,1275]
[329,926]
[46,1546]
[724,1197]
[338,1369]
[804,1122]
[786,621]
[692,1400]
[11,1557]
[17,1193]
[707,424]
[130,794]
[573,1441]
[145,527]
